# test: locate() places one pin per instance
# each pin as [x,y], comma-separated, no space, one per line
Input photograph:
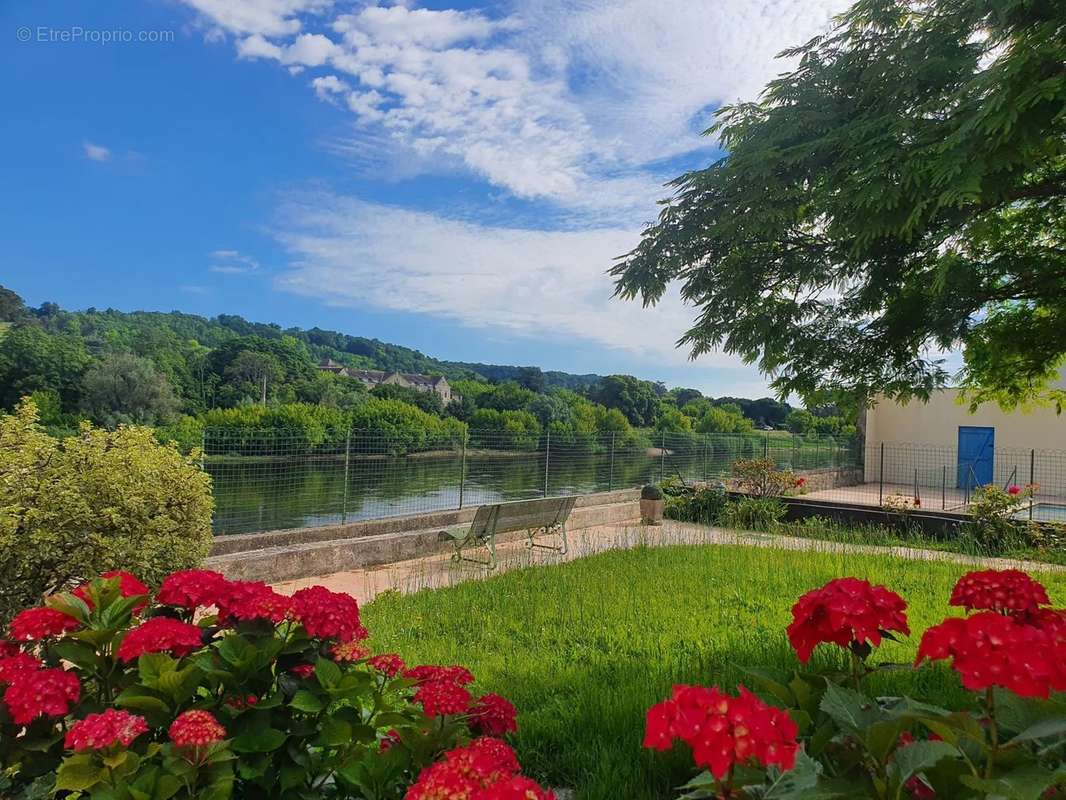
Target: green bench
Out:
[543,517]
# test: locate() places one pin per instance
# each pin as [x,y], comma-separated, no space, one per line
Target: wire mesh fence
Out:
[276,479]
[935,478]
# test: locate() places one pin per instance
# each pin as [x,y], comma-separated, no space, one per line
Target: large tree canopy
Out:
[900,194]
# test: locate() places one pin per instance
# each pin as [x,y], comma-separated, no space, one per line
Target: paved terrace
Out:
[438,571]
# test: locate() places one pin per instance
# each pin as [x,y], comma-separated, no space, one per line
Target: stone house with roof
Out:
[410,380]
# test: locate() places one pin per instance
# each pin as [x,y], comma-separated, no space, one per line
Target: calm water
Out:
[262,495]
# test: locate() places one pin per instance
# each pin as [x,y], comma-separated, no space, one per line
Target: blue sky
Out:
[452,177]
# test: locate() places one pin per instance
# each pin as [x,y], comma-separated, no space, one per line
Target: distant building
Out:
[411,380]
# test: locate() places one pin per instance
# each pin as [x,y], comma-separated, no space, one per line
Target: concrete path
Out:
[438,571]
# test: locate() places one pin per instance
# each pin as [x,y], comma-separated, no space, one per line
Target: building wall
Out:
[921,442]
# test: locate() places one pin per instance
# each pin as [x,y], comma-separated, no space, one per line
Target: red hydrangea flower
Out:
[389,740]
[328,615]
[516,788]
[1014,489]
[196,729]
[723,730]
[192,588]
[302,670]
[493,715]
[442,697]
[493,758]
[251,600]
[46,692]
[442,781]
[160,635]
[8,649]
[17,665]
[990,649]
[453,674]
[845,611]
[1006,591]
[34,624]
[387,663]
[128,586]
[348,651]
[100,731]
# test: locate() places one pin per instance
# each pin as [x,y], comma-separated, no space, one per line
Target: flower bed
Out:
[826,736]
[216,688]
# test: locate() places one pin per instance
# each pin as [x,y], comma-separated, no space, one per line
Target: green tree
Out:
[901,192]
[429,402]
[800,421]
[31,359]
[12,309]
[260,370]
[124,388]
[637,399]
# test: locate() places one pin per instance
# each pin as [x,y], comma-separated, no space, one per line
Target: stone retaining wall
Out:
[819,480]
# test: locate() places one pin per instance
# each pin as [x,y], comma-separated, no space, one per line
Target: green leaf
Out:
[328,673]
[772,683]
[80,654]
[69,604]
[806,782]
[1046,729]
[259,740]
[137,698]
[1027,782]
[77,774]
[307,702]
[919,756]
[334,733]
[850,710]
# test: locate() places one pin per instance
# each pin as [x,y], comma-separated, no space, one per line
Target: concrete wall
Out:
[922,438]
[309,552]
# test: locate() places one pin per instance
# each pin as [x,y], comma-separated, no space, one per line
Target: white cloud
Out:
[96,152]
[558,101]
[264,17]
[232,262]
[528,283]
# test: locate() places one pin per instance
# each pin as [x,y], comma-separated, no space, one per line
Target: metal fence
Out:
[935,477]
[273,479]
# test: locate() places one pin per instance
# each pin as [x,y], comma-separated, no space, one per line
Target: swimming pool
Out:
[1045,512]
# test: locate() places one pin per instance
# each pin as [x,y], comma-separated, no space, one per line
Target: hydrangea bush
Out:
[214,688]
[824,735]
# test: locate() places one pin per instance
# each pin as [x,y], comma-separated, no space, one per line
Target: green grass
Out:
[964,542]
[584,648]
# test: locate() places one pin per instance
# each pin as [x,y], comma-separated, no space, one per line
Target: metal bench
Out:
[543,517]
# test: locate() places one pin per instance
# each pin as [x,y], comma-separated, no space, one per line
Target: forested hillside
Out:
[183,373]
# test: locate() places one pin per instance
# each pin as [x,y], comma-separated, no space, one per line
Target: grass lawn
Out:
[584,648]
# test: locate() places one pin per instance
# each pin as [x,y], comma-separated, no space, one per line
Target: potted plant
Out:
[651,505]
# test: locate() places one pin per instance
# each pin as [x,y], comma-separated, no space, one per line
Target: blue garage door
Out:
[977,447]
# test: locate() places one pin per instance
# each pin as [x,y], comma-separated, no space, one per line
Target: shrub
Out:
[992,510]
[113,694]
[704,506]
[753,513]
[760,477]
[824,734]
[73,508]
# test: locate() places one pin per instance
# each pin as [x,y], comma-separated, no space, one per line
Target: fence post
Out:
[943,487]
[1032,480]
[662,458]
[462,473]
[881,478]
[765,446]
[547,456]
[347,460]
[203,449]
[610,476]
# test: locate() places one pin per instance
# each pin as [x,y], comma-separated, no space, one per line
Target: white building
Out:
[941,443]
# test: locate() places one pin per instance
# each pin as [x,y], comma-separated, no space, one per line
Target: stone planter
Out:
[651,511]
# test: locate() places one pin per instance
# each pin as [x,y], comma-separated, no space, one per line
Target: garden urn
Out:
[651,505]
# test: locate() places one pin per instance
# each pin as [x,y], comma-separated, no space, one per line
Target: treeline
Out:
[192,377]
